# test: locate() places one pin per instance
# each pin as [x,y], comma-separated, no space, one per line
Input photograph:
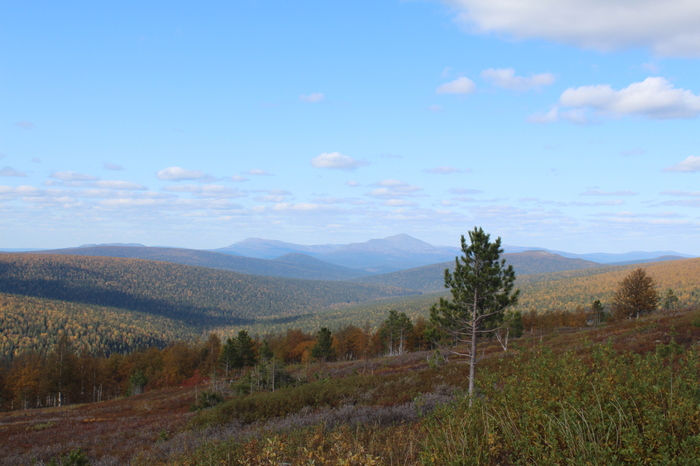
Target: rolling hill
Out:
[194,295]
[556,291]
[289,266]
[430,278]
[579,288]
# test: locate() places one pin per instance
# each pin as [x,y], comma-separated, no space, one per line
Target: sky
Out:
[569,125]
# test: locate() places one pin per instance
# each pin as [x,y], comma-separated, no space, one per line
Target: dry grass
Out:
[153,427]
[110,432]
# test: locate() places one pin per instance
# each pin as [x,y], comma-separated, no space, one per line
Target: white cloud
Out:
[179,174]
[208,191]
[577,116]
[461,85]
[258,172]
[389,189]
[543,118]
[626,214]
[273,195]
[506,78]
[654,98]
[9,171]
[72,176]
[681,193]
[633,152]
[317,97]
[435,108]
[111,166]
[26,124]
[653,67]
[304,206]
[270,198]
[465,191]
[391,182]
[690,164]
[23,190]
[445,170]
[667,27]
[352,183]
[595,204]
[337,161]
[598,192]
[102,184]
[238,178]
[399,203]
[114,184]
[683,203]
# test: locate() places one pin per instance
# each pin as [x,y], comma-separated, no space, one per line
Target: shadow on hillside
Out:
[64,290]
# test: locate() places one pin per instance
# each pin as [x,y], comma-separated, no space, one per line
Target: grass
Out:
[614,394]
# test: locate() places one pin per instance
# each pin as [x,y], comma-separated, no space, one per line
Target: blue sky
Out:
[567,125]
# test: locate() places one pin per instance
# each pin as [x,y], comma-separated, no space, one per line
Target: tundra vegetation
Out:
[582,386]
[614,393]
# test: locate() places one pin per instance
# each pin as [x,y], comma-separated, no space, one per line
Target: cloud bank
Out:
[507,79]
[691,164]
[337,161]
[458,86]
[668,28]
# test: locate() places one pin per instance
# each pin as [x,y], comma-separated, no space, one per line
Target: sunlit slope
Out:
[544,292]
[430,278]
[571,289]
[35,324]
[193,295]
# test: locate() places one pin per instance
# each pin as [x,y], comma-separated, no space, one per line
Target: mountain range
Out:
[398,255]
[375,256]
[400,252]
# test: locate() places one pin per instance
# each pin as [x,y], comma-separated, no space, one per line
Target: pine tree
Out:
[395,332]
[482,289]
[635,295]
[323,349]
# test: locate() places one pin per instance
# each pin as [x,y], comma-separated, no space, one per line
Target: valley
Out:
[122,297]
[129,319]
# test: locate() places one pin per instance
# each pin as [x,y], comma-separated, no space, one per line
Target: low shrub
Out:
[618,408]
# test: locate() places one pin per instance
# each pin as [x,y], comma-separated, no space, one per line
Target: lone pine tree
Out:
[482,289]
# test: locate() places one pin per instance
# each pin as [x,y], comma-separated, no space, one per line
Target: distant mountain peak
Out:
[125,245]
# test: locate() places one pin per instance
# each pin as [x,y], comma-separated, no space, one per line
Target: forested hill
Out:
[431,277]
[291,266]
[194,295]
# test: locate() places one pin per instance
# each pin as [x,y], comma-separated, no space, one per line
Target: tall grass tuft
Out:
[547,408]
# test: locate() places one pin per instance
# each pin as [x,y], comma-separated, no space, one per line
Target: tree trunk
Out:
[472,355]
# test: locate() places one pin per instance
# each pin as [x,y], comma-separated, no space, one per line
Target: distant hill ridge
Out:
[400,252]
[430,278]
[336,261]
[389,254]
[289,266]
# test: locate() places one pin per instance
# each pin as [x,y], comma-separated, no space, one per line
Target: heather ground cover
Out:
[619,393]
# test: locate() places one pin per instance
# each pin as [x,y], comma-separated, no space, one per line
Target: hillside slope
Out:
[195,295]
[571,289]
[309,269]
[430,278]
[35,324]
